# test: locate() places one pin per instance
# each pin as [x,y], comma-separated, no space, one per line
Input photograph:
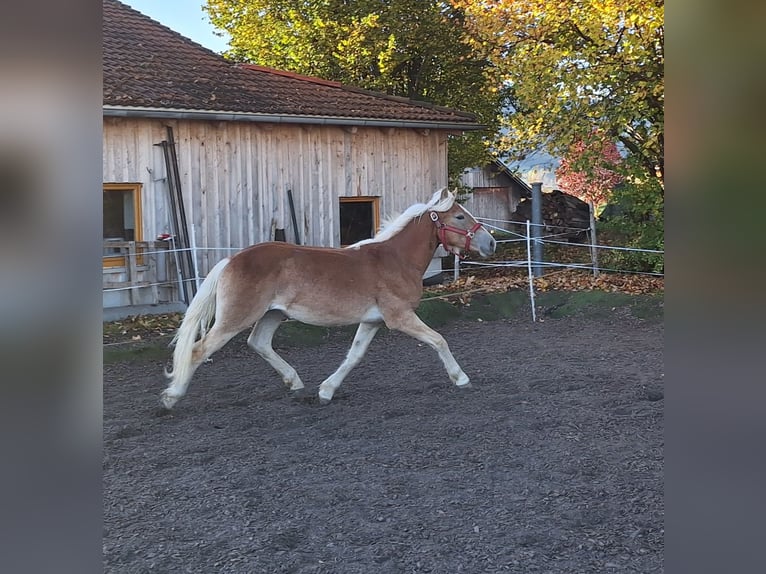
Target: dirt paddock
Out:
[553,462]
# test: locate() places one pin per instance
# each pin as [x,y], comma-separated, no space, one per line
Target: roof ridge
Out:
[289,74]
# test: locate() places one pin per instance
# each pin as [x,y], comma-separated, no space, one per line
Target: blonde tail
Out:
[195,324]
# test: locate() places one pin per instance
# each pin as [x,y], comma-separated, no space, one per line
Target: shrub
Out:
[635,217]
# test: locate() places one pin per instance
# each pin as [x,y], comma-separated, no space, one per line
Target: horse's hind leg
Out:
[412,325]
[216,338]
[364,334]
[260,340]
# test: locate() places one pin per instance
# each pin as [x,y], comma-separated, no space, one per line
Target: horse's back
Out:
[321,286]
[298,260]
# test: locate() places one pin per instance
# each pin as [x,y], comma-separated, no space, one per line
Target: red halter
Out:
[443,228]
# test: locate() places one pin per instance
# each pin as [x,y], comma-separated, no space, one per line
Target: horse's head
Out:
[459,232]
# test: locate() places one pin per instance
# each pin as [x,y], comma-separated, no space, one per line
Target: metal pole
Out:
[295,220]
[531,280]
[183,289]
[537,227]
[181,283]
[593,248]
[184,226]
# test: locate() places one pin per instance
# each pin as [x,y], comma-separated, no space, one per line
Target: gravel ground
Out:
[553,462]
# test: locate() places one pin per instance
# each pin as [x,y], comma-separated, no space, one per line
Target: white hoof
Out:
[324,396]
[463,381]
[167,400]
[294,385]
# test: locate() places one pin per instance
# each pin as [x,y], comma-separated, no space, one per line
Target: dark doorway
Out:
[359,219]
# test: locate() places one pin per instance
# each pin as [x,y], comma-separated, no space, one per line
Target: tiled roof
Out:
[147,65]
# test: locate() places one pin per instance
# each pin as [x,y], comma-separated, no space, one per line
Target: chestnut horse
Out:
[372,282]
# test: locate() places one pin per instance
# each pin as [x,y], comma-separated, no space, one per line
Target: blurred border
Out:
[50,302]
[716,395]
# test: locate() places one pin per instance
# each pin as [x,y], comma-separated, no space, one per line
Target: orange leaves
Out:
[614,282]
[500,280]
[141,327]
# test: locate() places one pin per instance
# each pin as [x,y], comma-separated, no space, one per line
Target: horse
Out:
[370,283]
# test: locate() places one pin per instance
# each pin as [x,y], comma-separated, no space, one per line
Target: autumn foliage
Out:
[576,67]
[589,172]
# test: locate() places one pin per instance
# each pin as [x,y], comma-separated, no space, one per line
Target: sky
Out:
[183,16]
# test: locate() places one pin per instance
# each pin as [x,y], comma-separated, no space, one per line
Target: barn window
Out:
[359,219]
[122,221]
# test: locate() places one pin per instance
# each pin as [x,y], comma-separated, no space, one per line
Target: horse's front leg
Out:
[364,334]
[412,325]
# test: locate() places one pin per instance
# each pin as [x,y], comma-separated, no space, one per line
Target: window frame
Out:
[135,188]
[371,199]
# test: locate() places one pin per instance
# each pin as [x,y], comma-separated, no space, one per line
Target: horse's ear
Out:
[446,193]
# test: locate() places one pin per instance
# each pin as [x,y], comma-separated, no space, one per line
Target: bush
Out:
[635,217]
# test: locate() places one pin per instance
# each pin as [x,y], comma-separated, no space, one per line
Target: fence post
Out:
[193,248]
[152,257]
[593,248]
[537,223]
[531,276]
[456,269]
[132,269]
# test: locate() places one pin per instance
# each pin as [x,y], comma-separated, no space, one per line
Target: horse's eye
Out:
[460,216]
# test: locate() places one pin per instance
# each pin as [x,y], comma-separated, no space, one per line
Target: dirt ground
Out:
[553,462]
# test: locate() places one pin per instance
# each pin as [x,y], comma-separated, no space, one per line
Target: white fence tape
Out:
[526,237]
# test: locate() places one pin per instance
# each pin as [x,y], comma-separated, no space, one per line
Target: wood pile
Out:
[561,212]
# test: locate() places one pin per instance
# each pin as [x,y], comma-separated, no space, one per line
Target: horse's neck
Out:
[416,242]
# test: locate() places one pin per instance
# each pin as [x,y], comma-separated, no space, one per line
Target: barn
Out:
[208,156]
[494,193]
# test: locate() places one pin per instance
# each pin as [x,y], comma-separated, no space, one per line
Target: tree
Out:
[576,69]
[594,181]
[409,48]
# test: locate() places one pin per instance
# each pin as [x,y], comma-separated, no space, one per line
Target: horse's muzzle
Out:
[485,243]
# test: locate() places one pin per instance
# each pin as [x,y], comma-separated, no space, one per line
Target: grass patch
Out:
[648,307]
[437,312]
[493,306]
[147,352]
[597,304]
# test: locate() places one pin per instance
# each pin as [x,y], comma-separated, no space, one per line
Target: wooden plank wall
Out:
[495,195]
[235,176]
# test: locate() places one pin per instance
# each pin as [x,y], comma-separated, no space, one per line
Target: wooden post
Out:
[152,267]
[132,271]
[593,248]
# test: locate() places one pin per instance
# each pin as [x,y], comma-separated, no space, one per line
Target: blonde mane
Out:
[392,226]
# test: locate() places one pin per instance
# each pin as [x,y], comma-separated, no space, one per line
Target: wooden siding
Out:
[495,195]
[485,177]
[235,176]
[498,204]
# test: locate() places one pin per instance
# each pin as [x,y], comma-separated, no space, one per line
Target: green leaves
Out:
[411,48]
[567,69]
[576,67]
